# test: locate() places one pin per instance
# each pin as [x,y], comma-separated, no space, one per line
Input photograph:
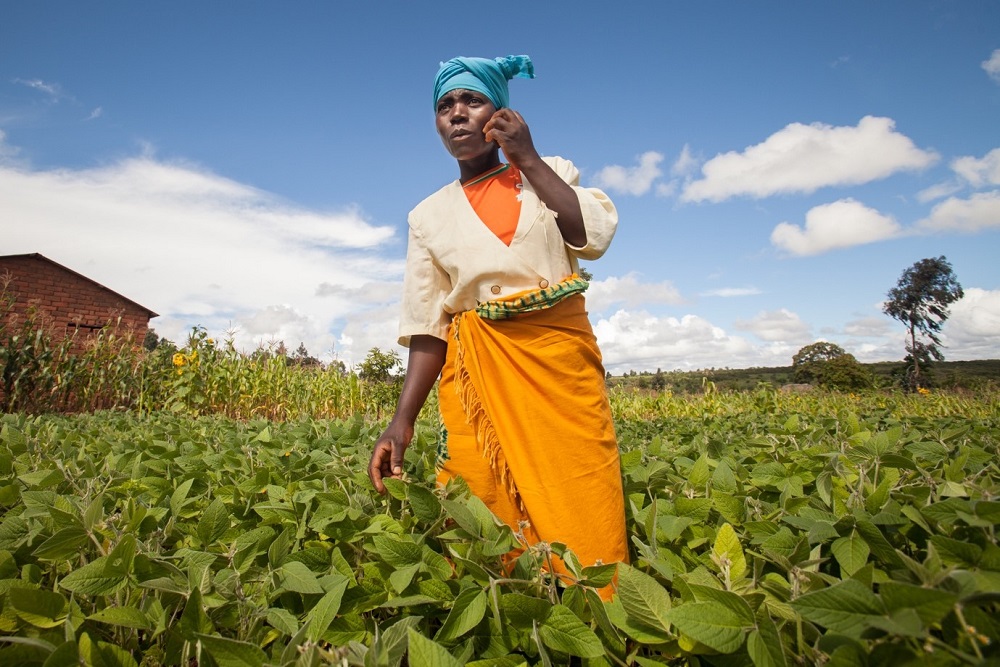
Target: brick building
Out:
[71,302]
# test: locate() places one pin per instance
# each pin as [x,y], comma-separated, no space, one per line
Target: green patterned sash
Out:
[502,309]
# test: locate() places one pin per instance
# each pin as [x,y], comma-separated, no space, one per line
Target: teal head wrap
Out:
[488,77]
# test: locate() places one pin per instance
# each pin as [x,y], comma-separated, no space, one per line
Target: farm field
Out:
[766,529]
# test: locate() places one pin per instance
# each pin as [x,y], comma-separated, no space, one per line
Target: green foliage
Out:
[383,383]
[41,373]
[808,362]
[920,300]
[828,365]
[766,529]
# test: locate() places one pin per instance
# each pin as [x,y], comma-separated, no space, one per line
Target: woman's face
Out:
[461,116]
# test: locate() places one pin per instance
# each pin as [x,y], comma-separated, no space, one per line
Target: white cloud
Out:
[992,65]
[629,290]
[7,152]
[979,172]
[973,327]
[778,326]
[640,341]
[803,158]
[685,163]
[204,250]
[50,89]
[980,211]
[96,113]
[668,189]
[631,180]
[938,191]
[868,327]
[840,224]
[727,292]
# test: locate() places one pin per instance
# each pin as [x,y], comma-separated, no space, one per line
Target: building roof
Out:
[43,258]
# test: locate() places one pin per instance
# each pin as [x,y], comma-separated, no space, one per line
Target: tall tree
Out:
[808,360]
[830,366]
[920,301]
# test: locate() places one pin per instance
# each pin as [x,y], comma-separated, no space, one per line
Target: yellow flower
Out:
[210,341]
[923,391]
[179,359]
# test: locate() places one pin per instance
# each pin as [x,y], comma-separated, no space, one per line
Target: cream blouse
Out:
[454,261]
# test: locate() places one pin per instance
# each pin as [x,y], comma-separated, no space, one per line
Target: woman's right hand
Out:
[387,456]
[427,355]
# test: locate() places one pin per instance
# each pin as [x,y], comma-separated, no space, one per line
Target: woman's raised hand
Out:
[508,129]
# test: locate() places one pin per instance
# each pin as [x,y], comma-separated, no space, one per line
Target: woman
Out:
[492,303]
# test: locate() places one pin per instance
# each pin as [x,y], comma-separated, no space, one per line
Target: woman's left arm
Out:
[508,128]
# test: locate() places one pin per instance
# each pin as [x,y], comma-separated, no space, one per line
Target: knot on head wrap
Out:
[482,75]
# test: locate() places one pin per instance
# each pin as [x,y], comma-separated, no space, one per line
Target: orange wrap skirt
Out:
[529,427]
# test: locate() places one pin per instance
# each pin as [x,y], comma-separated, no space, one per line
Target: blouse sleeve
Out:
[425,287]
[600,217]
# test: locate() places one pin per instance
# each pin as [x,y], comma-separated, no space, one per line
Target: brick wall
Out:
[70,302]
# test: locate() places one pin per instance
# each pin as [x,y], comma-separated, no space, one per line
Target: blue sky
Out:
[248,166]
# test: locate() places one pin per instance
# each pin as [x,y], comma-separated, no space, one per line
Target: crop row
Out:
[765,530]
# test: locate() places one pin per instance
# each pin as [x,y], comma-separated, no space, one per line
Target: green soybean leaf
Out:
[401,578]
[463,516]
[390,646]
[179,498]
[727,552]
[94,514]
[322,614]
[425,504]
[468,609]
[125,617]
[194,621]
[523,610]
[91,579]
[397,552]
[846,608]
[232,653]
[119,561]
[711,623]
[43,609]
[764,643]
[38,644]
[63,544]
[903,622]
[102,654]
[881,548]
[599,576]
[643,598]
[851,552]
[956,552]
[563,631]
[282,620]
[428,653]
[700,472]
[214,522]
[67,653]
[395,487]
[297,577]
[931,604]
[735,603]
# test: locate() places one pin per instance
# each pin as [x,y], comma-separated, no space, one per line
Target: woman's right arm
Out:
[423,365]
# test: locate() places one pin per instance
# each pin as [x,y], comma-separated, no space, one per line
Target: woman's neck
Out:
[469,169]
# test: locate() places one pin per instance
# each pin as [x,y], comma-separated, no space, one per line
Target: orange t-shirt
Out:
[496,198]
